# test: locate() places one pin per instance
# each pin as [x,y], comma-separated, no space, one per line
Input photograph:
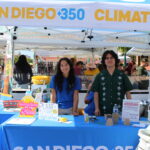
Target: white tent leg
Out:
[8,70]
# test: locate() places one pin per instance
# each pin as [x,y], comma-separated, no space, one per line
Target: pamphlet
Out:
[23,121]
[38,97]
[48,111]
[131,110]
[28,106]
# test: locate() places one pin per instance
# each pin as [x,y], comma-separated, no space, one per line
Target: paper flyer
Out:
[131,110]
[23,121]
[48,111]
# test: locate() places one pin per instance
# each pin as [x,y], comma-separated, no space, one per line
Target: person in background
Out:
[78,68]
[64,88]
[128,68]
[120,67]
[22,72]
[133,69]
[141,70]
[91,70]
[89,99]
[100,67]
[142,81]
[73,60]
[35,67]
[110,86]
[147,68]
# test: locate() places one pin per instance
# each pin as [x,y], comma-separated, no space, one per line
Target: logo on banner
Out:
[42,13]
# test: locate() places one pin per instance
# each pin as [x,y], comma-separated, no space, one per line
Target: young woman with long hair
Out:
[22,72]
[64,87]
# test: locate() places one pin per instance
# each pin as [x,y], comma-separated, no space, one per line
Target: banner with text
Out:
[98,15]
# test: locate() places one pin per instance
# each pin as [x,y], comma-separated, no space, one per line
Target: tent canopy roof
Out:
[58,38]
[63,35]
[52,38]
[138,52]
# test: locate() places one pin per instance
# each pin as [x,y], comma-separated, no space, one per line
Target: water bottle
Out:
[86,117]
[28,93]
[115,114]
[115,109]
[44,96]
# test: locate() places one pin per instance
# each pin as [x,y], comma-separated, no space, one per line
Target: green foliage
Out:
[124,50]
[28,59]
[16,58]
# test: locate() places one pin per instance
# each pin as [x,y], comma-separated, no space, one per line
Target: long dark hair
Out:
[113,54]
[60,78]
[22,65]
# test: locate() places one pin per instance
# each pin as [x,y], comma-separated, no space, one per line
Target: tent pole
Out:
[92,55]
[125,61]
[8,65]
[13,55]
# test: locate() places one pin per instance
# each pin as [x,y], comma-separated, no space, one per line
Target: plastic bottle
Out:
[28,93]
[86,117]
[115,114]
[44,96]
[115,109]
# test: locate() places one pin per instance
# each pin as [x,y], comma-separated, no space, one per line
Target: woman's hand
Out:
[75,113]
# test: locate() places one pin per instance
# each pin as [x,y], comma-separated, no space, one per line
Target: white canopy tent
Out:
[75,39]
[138,52]
[76,24]
[128,59]
[60,53]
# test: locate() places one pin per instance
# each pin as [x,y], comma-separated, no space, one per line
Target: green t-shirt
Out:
[111,89]
[141,71]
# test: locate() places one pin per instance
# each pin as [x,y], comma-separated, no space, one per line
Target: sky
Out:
[25,52]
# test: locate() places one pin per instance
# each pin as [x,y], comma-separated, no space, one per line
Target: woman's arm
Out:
[75,102]
[96,101]
[53,95]
[85,99]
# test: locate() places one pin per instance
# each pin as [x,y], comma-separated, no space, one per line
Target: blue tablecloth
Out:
[3,117]
[49,135]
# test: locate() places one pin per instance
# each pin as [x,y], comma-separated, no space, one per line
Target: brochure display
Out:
[21,121]
[131,110]
[28,106]
[48,111]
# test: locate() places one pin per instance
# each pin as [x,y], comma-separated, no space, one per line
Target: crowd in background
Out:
[138,74]
[82,68]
